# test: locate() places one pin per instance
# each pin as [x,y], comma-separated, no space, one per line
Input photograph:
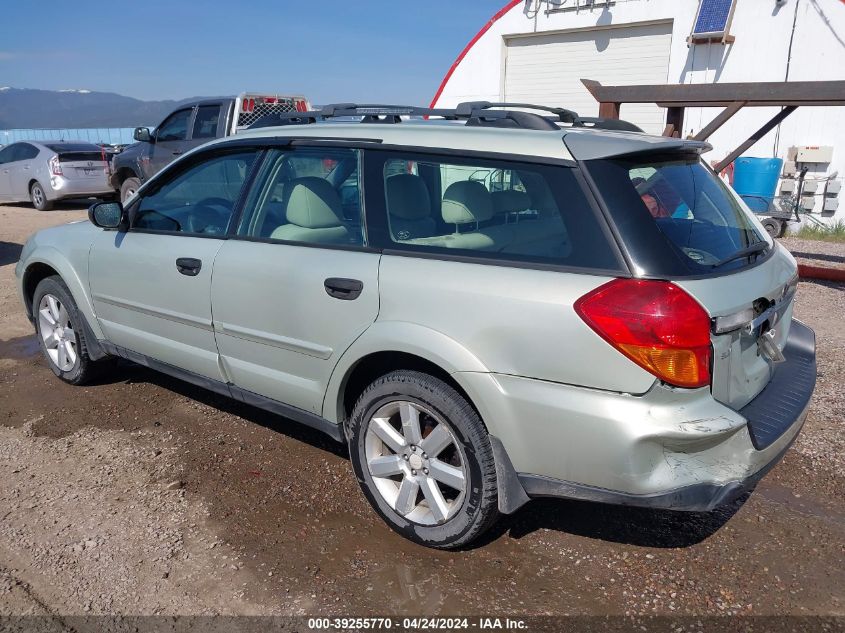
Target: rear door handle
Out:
[177,152]
[189,266]
[342,288]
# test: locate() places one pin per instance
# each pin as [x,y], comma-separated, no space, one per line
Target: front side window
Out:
[688,204]
[205,123]
[308,195]
[175,127]
[7,154]
[199,200]
[491,209]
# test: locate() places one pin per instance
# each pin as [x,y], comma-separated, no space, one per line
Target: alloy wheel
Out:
[37,195]
[416,462]
[57,332]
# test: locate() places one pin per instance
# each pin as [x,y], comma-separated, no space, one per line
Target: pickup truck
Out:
[192,124]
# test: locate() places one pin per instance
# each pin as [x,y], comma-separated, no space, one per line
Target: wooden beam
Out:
[780,116]
[719,121]
[755,94]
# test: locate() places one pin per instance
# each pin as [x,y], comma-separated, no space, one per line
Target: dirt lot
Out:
[144,495]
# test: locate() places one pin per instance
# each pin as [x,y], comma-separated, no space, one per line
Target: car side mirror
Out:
[108,215]
[142,135]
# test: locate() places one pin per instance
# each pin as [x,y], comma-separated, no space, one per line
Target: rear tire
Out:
[39,198]
[128,189]
[435,477]
[60,331]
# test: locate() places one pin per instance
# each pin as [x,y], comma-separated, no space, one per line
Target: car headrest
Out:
[510,201]
[466,201]
[313,203]
[407,197]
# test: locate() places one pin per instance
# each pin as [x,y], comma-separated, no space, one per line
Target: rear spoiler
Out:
[590,146]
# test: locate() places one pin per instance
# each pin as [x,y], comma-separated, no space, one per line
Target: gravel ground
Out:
[816,252]
[144,495]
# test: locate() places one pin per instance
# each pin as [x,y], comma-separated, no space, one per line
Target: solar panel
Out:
[713,16]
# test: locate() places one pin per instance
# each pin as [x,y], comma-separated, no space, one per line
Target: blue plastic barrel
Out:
[755,179]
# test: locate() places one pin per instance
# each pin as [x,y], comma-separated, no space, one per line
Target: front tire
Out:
[39,198]
[128,189]
[423,459]
[61,335]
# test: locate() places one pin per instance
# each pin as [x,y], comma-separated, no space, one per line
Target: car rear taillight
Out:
[655,324]
[55,166]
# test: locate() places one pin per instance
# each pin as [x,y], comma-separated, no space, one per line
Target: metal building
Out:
[538,51]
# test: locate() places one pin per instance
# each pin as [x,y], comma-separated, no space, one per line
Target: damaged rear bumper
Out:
[701,497]
[668,448]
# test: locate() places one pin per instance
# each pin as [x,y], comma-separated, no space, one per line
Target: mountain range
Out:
[28,108]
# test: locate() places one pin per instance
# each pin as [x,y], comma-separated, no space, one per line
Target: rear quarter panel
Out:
[515,321]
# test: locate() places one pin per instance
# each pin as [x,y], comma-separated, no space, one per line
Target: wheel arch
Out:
[387,346]
[370,367]
[51,262]
[123,174]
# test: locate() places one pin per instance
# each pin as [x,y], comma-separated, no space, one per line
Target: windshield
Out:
[687,203]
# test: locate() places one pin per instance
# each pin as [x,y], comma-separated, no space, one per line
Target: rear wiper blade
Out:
[745,252]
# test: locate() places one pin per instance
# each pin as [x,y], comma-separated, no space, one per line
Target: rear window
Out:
[489,209]
[205,123]
[686,203]
[61,148]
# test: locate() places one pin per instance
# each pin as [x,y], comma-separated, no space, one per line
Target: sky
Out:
[330,50]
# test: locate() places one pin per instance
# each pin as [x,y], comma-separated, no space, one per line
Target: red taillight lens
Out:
[55,166]
[655,324]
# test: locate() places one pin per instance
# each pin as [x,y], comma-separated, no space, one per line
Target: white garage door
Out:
[547,69]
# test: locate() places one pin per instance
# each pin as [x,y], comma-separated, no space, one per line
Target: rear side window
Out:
[205,123]
[688,205]
[489,209]
[25,151]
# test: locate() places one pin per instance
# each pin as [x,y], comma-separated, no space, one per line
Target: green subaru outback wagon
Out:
[487,304]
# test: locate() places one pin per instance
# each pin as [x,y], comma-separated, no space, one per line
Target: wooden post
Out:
[609,110]
[675,118]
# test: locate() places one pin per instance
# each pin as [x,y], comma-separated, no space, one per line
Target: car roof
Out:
[568,143]
[433,134]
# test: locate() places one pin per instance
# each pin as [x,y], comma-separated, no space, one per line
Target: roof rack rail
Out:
[564,115]
[475,113]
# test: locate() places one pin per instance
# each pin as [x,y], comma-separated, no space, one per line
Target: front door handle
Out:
[342,288]
[189,266]
[177,152]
